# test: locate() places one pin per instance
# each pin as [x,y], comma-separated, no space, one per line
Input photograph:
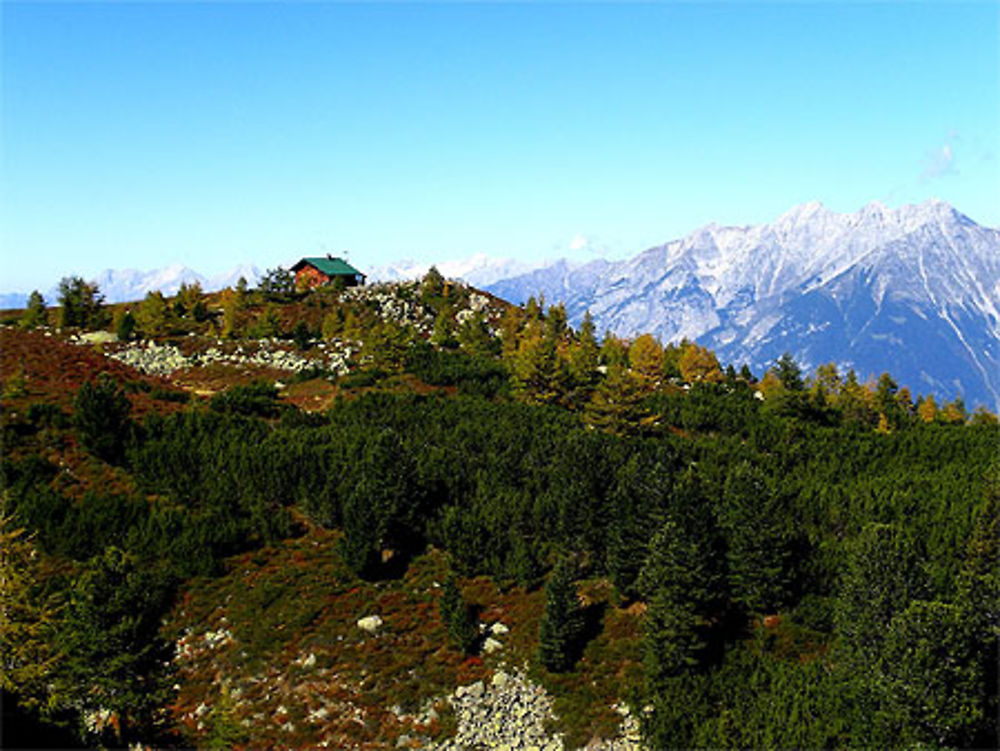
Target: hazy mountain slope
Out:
[126,285]
[914,291]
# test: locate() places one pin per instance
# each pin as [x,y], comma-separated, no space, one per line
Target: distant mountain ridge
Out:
[127,285]
[914,291]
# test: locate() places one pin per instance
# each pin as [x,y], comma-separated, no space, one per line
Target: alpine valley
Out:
[914,291]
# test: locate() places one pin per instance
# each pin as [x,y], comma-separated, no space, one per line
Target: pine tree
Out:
[929,677]
[458,618]
[35,314]
[81,304]
[151,317]
[681,584]
[562,624]
[114,656]
[883,576]
[124,323]
[759,552]
[789,373]
[101,418]
[584,357]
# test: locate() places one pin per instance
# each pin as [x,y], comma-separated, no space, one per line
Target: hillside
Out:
[413,515]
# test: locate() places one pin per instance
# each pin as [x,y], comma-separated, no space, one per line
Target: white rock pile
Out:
[164,359]
[509,713]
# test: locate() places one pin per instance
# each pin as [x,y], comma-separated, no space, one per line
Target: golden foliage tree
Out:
[699,364]
[27,617]
[646,357]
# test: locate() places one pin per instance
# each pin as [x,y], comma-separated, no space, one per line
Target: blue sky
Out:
[210,134]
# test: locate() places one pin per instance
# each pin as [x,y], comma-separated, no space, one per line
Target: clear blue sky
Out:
[208,134]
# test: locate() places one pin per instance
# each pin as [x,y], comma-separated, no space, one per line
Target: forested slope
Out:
[791,562]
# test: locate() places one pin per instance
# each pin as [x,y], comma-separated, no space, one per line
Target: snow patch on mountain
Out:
[914,291]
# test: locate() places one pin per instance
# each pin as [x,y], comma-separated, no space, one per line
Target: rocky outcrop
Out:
[163,359]
[511,712]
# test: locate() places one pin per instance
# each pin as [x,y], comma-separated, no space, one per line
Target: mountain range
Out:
[914,291]
[126,285]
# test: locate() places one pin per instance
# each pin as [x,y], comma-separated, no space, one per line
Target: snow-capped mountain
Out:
[126,285]
[478,270]
[914,291]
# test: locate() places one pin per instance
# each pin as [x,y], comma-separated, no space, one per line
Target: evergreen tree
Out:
[124,323]
[760,558]
[277,284]
[190,301]
[35,314]
[81,304]
[979,600]
[432,287]
[458,618]
[267,325]
[474,336]
[638,501]
[883,575]
[929,677]
[101,418]
[114,657]
[584,357]
[681,584]
[562,624]
[789,373]
[151,317]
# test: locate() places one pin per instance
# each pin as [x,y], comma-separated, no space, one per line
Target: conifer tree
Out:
[81,304]
[616,404]
[458,618]
[681,584]
[646,358]
[538,374]
[114,656]
[699,364]
[882,577]
[151,317]
[562,624]
[954,411]
[789,373]
[101,418]
[759,551]
[929,678]
[27,618]
[124,323]
[584,357]
[35,314]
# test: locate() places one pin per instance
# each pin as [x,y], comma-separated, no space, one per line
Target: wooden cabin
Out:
[315,272]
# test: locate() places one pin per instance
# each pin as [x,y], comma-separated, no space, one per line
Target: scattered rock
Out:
[491,645]
[370,623]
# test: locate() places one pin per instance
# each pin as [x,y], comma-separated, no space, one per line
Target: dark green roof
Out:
[329,266]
